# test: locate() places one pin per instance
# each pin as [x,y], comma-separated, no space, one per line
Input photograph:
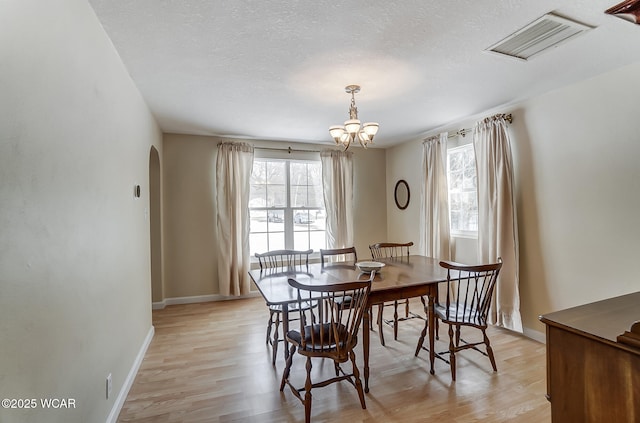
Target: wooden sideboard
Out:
[590,376]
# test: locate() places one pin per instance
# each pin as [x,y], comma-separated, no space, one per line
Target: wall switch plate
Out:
[109,385]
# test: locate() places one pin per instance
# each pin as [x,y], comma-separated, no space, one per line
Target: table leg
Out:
[431,316]
[365,346]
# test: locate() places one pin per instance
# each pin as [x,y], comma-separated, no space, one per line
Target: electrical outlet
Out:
[109,385]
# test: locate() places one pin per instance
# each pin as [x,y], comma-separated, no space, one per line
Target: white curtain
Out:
[337,184]
[233,172]
[434,209]
[497,224]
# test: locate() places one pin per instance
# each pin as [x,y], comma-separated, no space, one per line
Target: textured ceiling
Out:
[276,70]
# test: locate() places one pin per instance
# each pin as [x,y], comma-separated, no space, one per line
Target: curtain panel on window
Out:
[233,173]
[434,209]
[337,184]
[497,224]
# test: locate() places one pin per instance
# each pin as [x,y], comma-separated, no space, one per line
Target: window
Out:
[463,192]
[286,206]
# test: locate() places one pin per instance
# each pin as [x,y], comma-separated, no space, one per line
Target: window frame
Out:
[457,233]
[288,210]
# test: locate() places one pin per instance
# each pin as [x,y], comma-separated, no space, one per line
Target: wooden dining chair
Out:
[346,253]
[333,335]
[285,260]
[468,299]
[393,250]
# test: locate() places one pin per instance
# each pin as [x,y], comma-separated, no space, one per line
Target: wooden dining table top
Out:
[398,273]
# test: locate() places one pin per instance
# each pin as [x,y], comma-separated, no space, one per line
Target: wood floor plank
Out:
[208,362]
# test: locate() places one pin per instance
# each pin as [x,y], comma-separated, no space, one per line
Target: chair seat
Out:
[313,340]
[467,315]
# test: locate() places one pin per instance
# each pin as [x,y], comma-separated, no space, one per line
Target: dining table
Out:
[400,278]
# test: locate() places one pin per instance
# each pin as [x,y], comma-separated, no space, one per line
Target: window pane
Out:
[276,172]
[299,196]
[276,241]
[455,181]
[276,220]
[317,240]
[316,198]
[258,243]
[257,221]
[276,196]
[463,200]
[455,161]
[455,220]
[469,158]
[455,201]
[315,174]
[299,173]
[257,196]
[258,175]
[303,218]
[300,240]
[470,212]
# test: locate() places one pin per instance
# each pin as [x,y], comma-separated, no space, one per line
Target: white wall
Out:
[576,156]
[75,136]
[576,153]
[190,240]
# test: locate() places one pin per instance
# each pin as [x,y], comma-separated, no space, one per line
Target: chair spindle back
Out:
[283,258]
[390,250]
[325,254]
[333,330]
[469,291]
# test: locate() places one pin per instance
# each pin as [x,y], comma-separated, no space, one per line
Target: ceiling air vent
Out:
[547,31]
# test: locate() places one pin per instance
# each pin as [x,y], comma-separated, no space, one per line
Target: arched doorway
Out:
[157,288]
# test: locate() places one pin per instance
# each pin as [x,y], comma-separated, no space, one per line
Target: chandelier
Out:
[347,133]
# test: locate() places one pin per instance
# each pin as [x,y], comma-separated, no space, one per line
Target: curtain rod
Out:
[463,132]
[288,150]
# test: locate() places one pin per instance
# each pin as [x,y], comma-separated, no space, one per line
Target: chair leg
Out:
[358,382]
[457,336]
[287,369]
[274,343]
[406,309]
[395,320]
[452,353]
[380,333]
[489,350]
[307,395]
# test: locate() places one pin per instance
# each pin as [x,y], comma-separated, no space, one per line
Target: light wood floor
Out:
[209,363]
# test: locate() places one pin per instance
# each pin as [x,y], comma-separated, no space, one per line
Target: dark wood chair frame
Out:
[468,300]
[285,260]
[332,335]
[325,253]
[391,250]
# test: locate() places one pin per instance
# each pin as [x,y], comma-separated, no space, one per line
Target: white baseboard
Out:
[535,335]
[199,299]
[124,391]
